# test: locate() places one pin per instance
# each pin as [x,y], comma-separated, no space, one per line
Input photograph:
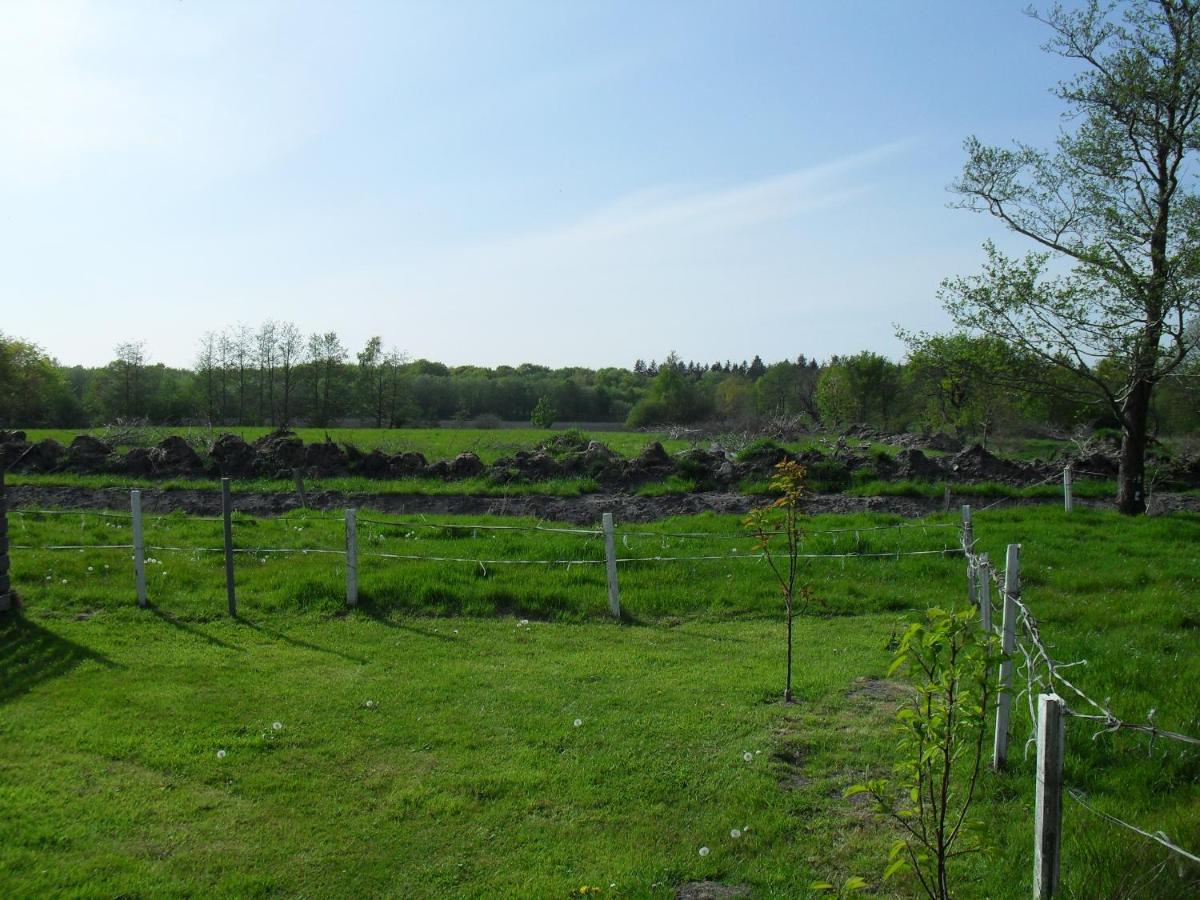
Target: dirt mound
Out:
[230,455]
[977,464]
[88,455]
[278,453]
[913,464]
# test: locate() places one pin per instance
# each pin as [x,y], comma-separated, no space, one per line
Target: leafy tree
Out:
[782,519]
[859,388]
[326,359]
[962,380]
[289,354]
[33,391]
[943,730]
[543,413]
[1113,207]
[734,398]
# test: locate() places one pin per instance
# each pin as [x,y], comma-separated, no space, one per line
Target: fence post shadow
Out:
[31,655]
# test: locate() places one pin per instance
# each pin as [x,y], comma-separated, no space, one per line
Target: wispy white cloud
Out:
[669,212]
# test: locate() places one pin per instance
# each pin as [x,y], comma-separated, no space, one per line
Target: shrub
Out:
[544,413]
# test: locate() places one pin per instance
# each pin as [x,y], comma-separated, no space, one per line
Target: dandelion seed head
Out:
[578,722]
[735,833]
[748,756]
[64,581]
[704,851]
[220,754]
[90,569]
[278,726]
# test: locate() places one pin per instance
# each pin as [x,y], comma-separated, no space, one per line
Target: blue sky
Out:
[556,182]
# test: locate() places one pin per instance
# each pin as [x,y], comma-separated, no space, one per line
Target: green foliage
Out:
[543,414]
[671,397]
[861,388]
[829,475]
[1112,212]
[942,745]
[963,381]
[781,519]
[33,390]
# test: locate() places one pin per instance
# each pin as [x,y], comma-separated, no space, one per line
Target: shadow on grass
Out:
[171,620]
[296,642]
[30,655]
[381,615]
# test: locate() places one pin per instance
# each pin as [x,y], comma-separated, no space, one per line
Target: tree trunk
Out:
[1131,488]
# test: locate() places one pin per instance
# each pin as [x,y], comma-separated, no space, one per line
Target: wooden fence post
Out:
[1068,496]
[5,579]
[1047,810]
[139,548]
[352,557]
[983,591]
[1012,588]
[968,540]
[227,515]
[610,559]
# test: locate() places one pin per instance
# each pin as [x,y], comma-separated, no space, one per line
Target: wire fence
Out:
[1021,636]
[1042,673]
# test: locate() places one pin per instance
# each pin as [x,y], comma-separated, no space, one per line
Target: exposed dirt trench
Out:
[578,510]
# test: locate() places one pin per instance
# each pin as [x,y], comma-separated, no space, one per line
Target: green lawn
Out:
[465,775]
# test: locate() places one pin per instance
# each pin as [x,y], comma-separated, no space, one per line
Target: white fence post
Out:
[946,498]
[6,592]
[1047,811]
[139,548]
[610,559]
[1068,496]
[1012,588]
[969,547]
[352,557]
[227,517]
[983,592]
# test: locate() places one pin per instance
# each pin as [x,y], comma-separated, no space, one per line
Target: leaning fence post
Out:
[610,560]
[227,515]
[1068,496]
[1047,810]
[1012,587]
[352,557]
[139,548]
[983,591]
[968,541]
[5,581]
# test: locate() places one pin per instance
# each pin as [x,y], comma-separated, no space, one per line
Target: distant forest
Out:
[277,376]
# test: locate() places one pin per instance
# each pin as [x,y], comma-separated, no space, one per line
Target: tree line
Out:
[972,386]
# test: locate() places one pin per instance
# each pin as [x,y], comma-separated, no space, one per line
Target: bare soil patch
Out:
[578,510]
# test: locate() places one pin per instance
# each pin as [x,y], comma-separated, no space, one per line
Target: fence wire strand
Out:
[1158,837]
[1038,659]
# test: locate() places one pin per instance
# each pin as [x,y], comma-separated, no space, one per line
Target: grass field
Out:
[465,774]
